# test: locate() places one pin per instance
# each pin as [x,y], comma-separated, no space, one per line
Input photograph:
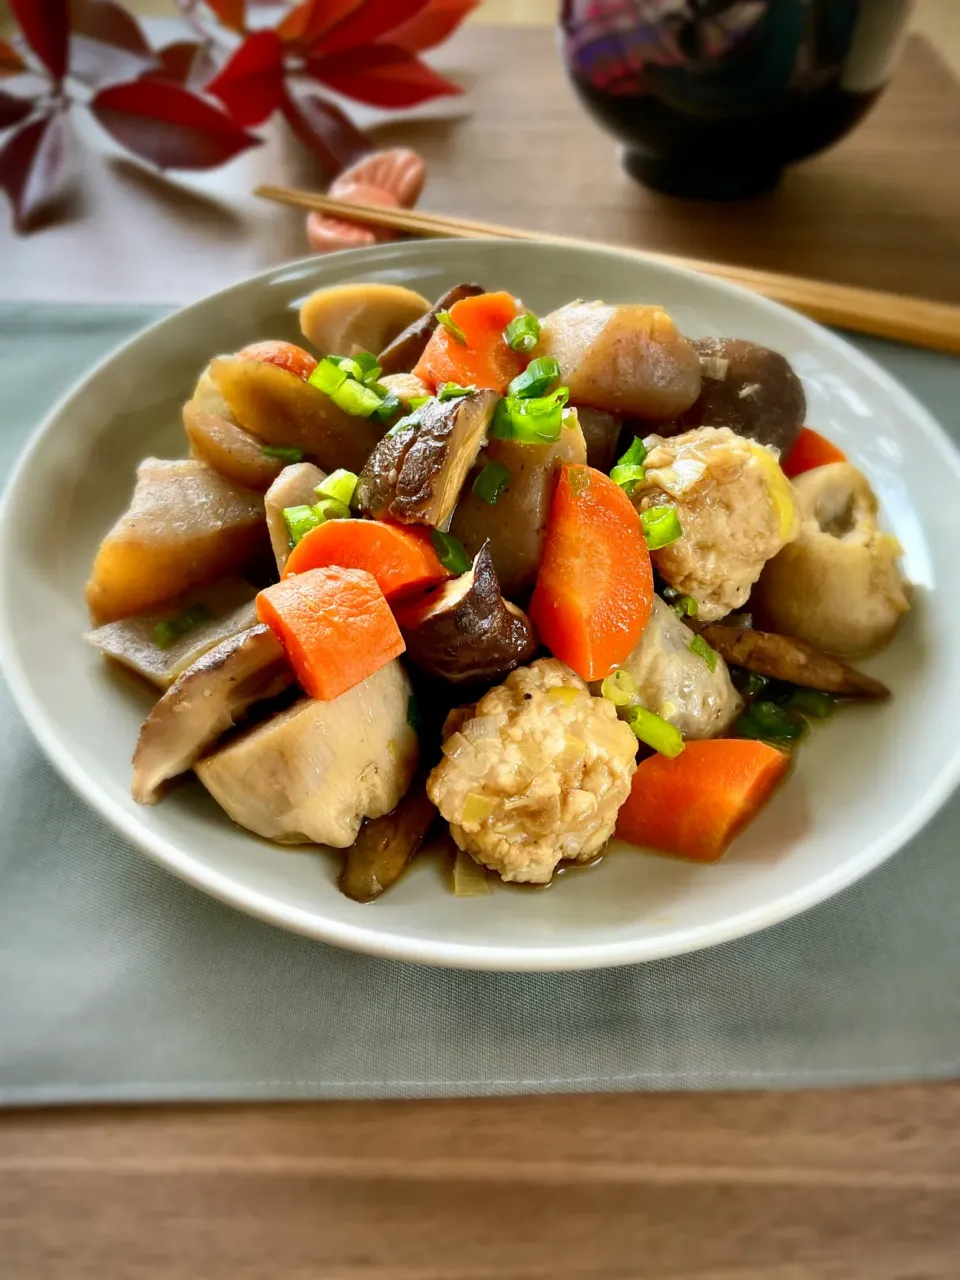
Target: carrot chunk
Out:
[595,586]
[482,359]
[401,559]
[693,805]
[810,450]
[285,355]
[335,627]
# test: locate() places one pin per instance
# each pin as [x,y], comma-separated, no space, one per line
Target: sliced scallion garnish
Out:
[388,406]
[538,420]
[620,688]
[328,375]
[340,485]
[635,456]
[627,476]
[299,521]
[331,509]
[700,647]
[491,482]
[685,606]
[665,738]
[450,551]
[522,333]
[536,380]
[169,630]
[451,390]
[283,453]
[451,326]
[661,526]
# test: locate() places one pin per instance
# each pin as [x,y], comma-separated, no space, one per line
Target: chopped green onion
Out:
[766,720]
[340,485]
[417,402]
[411,420]
[627,476]
[299,521]
[522,333]
[414,718]
[635,456]
[363,366]
[491,482]
[683,606]
[451,326]
[538,420]
[388,406]
[620,688]
[748,683]
[812,702]
[450,391]
[536,380]
[168,631]
[661,526]
[356,399]
[283,453]
[656,732]
[450,551]
[331,509]
[700,647]
[328,375]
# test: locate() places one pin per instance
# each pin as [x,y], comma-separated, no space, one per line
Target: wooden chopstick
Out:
[917,321]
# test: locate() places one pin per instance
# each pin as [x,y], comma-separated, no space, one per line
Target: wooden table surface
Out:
[849,1185]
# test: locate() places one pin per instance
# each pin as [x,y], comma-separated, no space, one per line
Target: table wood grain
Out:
[841,1185]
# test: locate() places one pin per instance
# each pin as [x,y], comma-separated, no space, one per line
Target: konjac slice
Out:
[186,526]
[401,559]
[335,627]
[594,590]
[229,449]
[283,410]
[693,805]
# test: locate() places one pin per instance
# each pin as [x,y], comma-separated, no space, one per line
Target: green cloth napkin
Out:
[119,982]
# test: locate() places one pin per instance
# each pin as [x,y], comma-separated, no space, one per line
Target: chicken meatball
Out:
[536,775]
[736,509]
[667,677]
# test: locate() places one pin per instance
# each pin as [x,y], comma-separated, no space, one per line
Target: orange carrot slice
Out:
[693,805]
[810,450]
[285,355]
[483,359]
[401,559]
[335,627]
[595,586]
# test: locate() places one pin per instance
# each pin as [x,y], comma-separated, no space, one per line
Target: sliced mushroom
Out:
[465,632]
[228,449]
[295,486]
[516,525]
[406,349]
[748,388]
[312,773]
[186,527]
[384,847]
[348,318]
[601,431]
[281,409]
[838,585]
[203,703]
[416,476]
[228,606]
[789,659]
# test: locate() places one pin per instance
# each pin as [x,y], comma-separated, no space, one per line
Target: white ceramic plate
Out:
[864,785]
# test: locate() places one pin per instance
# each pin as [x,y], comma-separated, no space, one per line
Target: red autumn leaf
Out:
[432,25]
[371,22]
[250,86]
[46,26]
[13,109]
[168,125]
[381,76]
[32,164]
[11,64]
[305,24]
[106,43]
[328,132]
[232,13]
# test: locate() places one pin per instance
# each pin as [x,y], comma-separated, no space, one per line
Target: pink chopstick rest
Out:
[391,178]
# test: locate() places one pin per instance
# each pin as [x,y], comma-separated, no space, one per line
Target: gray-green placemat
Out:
[118,982]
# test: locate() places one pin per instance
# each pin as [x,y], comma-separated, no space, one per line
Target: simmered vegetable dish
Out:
[538,580]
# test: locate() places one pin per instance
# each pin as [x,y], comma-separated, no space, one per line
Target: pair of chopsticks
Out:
[915,321]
